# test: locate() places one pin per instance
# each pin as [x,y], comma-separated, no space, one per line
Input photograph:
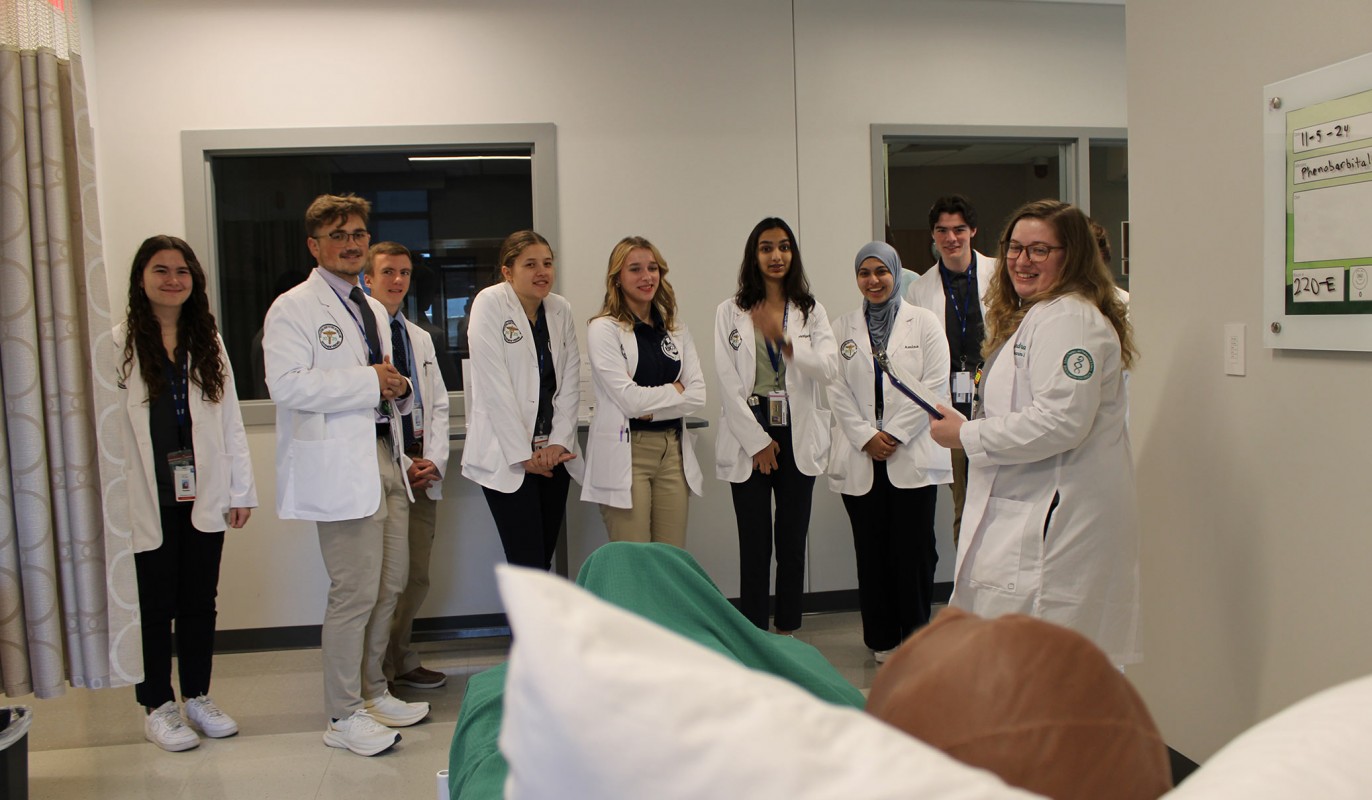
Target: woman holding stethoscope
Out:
[523,399]
[640,458]
[188,477]
[883,461]
[774,354]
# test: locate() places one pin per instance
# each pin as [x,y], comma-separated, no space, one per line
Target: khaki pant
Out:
[659,493]
[959,490]
[366,560]
[401,658]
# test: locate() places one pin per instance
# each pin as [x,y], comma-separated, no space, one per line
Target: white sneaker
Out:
[204,715]
[360,734]
[165,728]
[881,655]
[393,712]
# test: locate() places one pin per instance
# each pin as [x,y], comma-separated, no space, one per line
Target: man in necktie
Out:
[338,462]
[389,269]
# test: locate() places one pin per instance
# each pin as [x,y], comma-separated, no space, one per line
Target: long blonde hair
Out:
[614,306]
[1083,273]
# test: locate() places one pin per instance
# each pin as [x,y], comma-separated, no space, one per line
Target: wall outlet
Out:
[1234,361]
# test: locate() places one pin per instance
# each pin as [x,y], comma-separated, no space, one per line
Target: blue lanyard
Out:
[409,357]
[178,383]
[775,356]
[350,306]
[962,310]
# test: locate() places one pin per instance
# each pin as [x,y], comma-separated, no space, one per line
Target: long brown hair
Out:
[196,332]
[614,306]
[752,289]
[1083,273]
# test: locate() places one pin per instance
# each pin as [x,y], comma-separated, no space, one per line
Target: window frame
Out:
[1074,160]
[200,147]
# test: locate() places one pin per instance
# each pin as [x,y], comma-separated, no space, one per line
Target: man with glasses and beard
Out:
[338,405]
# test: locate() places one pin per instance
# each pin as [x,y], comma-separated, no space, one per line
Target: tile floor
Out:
[90,743]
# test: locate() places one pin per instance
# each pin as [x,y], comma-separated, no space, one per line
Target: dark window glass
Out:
[452,209]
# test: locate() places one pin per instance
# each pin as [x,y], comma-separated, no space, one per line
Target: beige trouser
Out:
[959,491]
[366,561]
[401,659]
[659,493]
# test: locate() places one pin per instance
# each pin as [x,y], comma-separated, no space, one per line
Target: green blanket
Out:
[665,585]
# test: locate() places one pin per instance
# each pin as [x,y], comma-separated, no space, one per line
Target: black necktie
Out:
[400,357]
[368,323]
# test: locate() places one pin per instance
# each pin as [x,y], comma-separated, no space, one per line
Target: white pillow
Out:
[600,703]
[1317,748]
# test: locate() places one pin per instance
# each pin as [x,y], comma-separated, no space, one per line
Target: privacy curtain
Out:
[68,602]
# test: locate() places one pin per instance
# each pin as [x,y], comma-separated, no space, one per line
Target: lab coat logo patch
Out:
[669,349]
[849,349]
[330,336]
[512,332]
[735,341]
[1078,364]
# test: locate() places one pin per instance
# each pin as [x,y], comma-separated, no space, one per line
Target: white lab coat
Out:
[223,467]
[918,351]
[613,352]
[810,369]
[434,395]
[1050,527]
[502,399]
[326,396]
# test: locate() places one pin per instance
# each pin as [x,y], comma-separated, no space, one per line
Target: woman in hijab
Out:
[883,461]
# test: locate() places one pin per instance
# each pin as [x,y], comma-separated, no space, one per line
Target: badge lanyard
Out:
[181,461]
[347,306]
[417,411]
[962,379]
[541,438]
[778,413]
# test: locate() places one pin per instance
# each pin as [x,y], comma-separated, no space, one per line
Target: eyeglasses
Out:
[1038,253]
[339,237]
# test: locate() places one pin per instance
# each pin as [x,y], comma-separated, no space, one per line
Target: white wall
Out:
[1253,489]
[683,122]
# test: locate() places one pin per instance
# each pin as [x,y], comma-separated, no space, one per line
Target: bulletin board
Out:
[1317,287]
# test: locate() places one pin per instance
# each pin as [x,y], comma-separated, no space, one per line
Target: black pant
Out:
[893,534]
[178,582]
[529,519]
[756,532]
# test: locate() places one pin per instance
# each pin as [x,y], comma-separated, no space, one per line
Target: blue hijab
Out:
[881,316]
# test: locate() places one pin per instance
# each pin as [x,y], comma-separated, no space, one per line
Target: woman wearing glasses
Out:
[522,400]
[883,461]
[1050,528]
[774,354]
[188,477]
[640,459]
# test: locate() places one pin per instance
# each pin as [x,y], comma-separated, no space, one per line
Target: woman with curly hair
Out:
[1051,523]
[188,477]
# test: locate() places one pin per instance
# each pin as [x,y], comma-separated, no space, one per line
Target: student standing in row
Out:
[523,401]
[1052,518]
[338,462]
[425,435]
[884,462]
[774,354]
[955,290]
[641,459]
[187,475]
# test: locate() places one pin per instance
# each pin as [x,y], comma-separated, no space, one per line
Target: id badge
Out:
[962,387]
[540,442]
[778,413]
[417,421]
[182,463]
